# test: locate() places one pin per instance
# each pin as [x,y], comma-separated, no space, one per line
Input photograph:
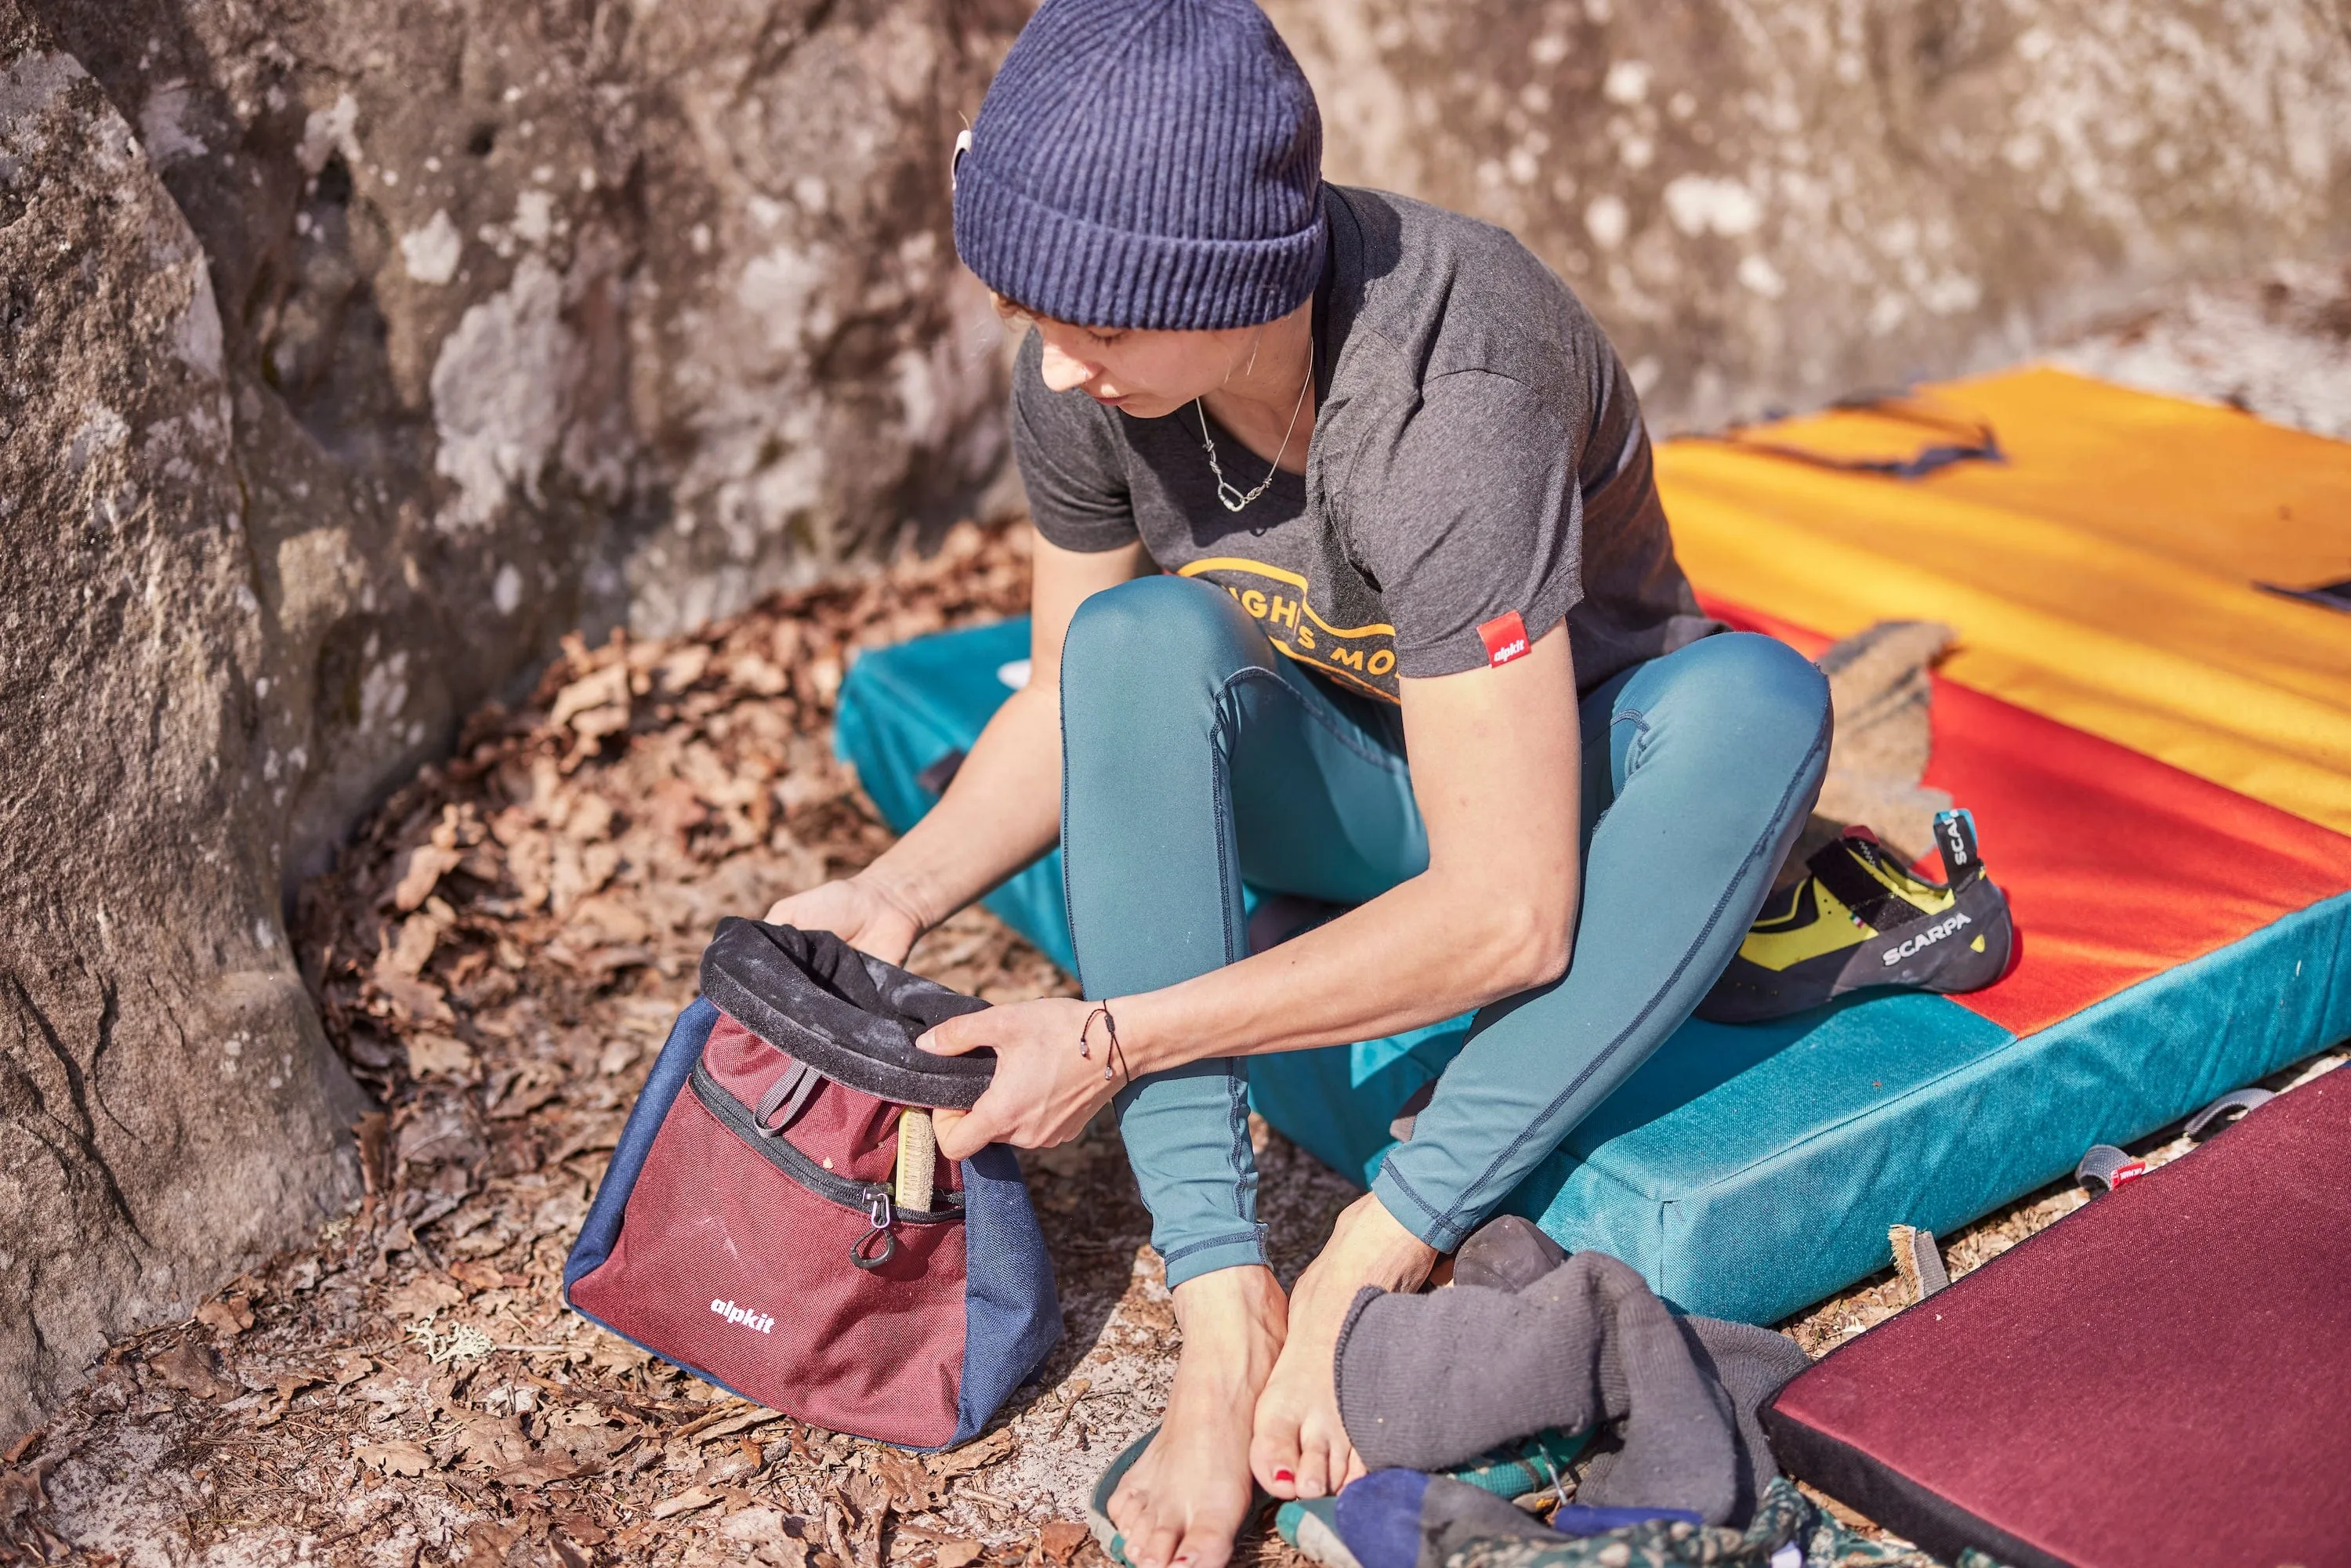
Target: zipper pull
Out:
[882,1217]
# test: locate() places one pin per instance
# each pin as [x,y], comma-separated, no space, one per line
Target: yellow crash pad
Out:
[2103,572]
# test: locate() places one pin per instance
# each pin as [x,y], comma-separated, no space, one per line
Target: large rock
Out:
[167,1106]
[544,316]
[1783,201]
[351,354]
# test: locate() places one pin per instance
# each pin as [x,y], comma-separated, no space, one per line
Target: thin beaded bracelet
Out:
[1116,1053]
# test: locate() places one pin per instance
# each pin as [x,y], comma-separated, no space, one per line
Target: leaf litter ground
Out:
[497,957]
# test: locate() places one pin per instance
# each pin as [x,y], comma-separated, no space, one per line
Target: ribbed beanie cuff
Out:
[1149,164]
[1082,272]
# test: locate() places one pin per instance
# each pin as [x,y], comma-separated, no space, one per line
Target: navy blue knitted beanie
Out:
[1146,164]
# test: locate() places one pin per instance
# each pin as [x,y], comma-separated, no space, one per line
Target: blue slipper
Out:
[1404,1519]
[1114,1544]
[1312,1525]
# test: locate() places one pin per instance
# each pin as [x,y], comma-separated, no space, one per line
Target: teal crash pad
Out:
[1747,1171]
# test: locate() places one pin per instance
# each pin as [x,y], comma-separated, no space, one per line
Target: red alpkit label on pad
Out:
[1505,637]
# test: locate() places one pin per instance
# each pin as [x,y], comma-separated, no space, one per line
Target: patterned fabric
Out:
[1783,1518]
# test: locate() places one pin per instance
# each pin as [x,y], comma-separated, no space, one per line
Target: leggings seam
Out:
[1244,1153]
[1638,749]
[1450,1220]
[1440,1220]
[1254,1236]
[1378,759]
[1069,898]
[1224,736]
[1225,739]
[1226,825]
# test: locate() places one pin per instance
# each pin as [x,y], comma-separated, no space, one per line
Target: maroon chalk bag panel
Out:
[747,1231]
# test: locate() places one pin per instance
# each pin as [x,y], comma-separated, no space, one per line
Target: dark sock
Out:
[1427,1382]
[1752,1364]
[1506,1254]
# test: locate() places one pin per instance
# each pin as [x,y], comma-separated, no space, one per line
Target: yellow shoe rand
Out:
[1813,921]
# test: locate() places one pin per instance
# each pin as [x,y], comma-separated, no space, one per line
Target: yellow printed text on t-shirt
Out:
[1362,656]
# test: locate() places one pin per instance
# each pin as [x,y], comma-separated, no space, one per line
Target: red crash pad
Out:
[2160,1377]
[2118,867]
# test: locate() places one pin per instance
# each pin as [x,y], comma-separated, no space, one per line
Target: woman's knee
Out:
[1750,701]
[1158,635]
[1745,673]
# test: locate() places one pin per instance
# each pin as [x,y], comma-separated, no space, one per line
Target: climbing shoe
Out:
[1860,919]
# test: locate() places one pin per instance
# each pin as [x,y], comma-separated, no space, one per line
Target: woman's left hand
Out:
[1043,1093]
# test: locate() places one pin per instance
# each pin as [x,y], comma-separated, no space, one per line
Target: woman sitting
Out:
[1351,583]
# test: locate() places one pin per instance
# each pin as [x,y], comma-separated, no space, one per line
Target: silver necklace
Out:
[1233,497]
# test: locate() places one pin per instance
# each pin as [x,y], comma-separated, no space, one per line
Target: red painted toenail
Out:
[1284,1475]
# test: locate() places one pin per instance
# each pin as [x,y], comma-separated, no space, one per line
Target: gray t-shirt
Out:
[1478,454]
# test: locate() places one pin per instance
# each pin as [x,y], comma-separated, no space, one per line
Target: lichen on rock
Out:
[1773,202]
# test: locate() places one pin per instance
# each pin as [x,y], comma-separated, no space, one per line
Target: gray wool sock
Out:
[1506,1254]
[1427,1382]
[1751,1365]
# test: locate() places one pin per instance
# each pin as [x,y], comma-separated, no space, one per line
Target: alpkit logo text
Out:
[1505,637]
[758,1322]
[1926,938]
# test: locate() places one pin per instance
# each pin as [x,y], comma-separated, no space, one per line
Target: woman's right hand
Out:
[858,911]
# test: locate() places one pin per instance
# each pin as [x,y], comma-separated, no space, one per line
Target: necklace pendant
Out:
[1231,494]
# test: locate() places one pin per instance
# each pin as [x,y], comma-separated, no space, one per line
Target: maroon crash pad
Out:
[2162,1377]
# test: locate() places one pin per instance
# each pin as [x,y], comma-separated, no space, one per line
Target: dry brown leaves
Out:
[497,956]
[25,1532]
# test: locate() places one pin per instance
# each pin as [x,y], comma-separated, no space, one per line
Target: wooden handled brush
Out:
[918,1158]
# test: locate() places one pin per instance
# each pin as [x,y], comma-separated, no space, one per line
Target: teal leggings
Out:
[1195,759]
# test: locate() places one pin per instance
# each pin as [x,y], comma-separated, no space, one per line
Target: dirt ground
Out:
[498,956]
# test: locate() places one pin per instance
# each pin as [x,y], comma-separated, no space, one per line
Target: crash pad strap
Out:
[1974,440]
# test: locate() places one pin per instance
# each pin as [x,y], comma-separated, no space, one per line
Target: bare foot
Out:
[1300,1448]
[1185,1500]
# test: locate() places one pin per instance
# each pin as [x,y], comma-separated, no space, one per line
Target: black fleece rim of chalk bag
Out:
[847,1014]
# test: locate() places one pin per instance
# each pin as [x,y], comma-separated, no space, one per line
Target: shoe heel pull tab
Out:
[1955,836]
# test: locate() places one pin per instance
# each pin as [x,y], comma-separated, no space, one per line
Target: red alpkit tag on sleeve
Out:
[1505,637]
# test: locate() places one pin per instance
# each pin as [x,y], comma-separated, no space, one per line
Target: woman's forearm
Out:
[1002,810]
[1425,950]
